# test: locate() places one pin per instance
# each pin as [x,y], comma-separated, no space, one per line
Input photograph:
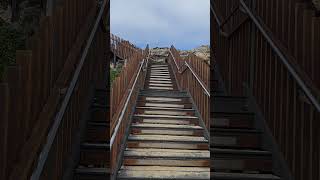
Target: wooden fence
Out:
[122,48]
[273,49]
[124,93]
[193,75]
[36,89]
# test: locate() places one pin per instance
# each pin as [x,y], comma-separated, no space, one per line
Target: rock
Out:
[158,52]
[202,52]
[162,52]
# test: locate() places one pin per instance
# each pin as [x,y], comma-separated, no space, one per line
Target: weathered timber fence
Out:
[122,48]
[193,75]
[43,94]
[272,47]
[124,93]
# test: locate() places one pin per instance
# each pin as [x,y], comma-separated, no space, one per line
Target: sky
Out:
[162,23]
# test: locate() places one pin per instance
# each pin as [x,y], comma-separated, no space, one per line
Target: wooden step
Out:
[164,108]
[160,85]
[160,76]
[83,173]
[229,104]
[242,164]
[163,174]
[162,82]
[164,105]
[167,145]
[162,88]
[159,73]
[164,95]
[167,153]
[253,153]
[94,154]
[98,132]
[235,138]
[166,121]
[99,114]
[241,140]
[166,162]
[164,116]
[159,66]
[240,159]
[242,176]
[160,79]
[222,120]
[165,111]
[167,138]
[163,131]
[166,126]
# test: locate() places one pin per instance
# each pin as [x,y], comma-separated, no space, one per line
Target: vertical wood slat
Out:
[32,84]
[4,111]
[120,89]
[289,114]
[187,81]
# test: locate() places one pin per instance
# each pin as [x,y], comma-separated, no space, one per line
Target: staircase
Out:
[236,147]
[166,140]
[94,150]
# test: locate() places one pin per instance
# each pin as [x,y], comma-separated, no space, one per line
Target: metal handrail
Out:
[125,106]
[281,55]
[198,79]
[215,15]
[59,116]
[193,72]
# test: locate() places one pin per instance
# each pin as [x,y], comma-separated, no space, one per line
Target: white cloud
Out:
[184,23]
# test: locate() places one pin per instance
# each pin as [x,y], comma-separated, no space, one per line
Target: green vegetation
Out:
[114,72]
[11,40]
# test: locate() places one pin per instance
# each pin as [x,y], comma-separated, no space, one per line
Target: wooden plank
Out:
[167,153]
[164,121]
[242,164]
[165,116]
[166,126]
[166,162]
[167,138]
[4,110]
[166,168]
[125,174]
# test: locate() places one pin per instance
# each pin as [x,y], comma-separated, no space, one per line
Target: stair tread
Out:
[169,126]
[96,145]
[164,174]
[85,170]
[235,130]
[164,108]
[160,85]
[164,105]
[93,123]
[166,168]
[165,138]
[167,153]
[242,176]
[166,121]
[166,116]
[240,151]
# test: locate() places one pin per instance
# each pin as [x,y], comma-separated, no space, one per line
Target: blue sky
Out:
[160,23]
